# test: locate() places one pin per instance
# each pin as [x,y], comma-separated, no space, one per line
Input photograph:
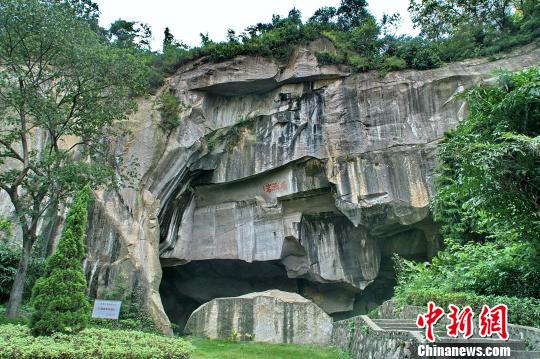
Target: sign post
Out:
[106,309]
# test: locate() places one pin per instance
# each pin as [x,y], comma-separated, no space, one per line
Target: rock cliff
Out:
[294,176]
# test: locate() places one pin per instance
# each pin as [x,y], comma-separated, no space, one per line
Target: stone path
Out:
[518,347]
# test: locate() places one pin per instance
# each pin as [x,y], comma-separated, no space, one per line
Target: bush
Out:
[169,109]
[5,230]
[329,58]
[22,319]
[393,63]
[59,297]
[133,315]
[9,261]
[16,342]
[10,254]
[426,58]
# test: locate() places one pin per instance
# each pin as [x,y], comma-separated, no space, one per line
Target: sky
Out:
[187,19]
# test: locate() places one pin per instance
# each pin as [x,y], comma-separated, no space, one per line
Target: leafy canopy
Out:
[487,200]
[66,89]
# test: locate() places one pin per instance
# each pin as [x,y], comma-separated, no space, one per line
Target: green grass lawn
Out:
[224,349]
[203,348]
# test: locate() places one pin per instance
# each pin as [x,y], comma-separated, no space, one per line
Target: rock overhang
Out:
[374,140]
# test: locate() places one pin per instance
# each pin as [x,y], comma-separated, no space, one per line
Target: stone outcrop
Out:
[294,176]
[327,175]
[272,316]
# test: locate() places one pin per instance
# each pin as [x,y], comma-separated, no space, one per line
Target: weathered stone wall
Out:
[361,340]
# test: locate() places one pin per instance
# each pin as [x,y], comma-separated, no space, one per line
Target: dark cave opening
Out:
[185,287]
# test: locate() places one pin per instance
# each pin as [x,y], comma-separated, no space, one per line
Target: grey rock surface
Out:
[272,316]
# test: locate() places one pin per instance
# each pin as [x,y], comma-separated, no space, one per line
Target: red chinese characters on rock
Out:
[429,319]
[491,321]
[274,186]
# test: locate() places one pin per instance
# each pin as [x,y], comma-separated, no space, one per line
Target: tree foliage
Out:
[439,18]
[169,108]
[9,258]
[488,197]
[63,84]
[450,31]
[59,297]
[489,185]
[130,34]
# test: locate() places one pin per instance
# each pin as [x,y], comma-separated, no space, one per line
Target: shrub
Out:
[58,298]
[393,63]
[133,315]
[16,342]
[426,58]
[10,254]
[169,109]
[329,58]
[9,260]
[5,230]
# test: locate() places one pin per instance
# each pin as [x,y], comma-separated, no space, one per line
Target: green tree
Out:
[438,18]
[352,13]
[5,230]
[489,183]
[62,84]
[85,9]
[168,38]
[59,297]
[364,38]
[324,15]
[488,198]
[130,34]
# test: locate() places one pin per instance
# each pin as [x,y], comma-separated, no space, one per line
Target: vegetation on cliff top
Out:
[450,31]
[488,202]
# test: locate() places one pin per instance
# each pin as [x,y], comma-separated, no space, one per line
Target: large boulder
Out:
[273,316]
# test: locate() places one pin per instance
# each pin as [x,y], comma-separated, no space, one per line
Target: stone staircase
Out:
[519,348]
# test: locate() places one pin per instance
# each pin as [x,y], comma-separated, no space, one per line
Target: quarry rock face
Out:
[272,316]
[295,176]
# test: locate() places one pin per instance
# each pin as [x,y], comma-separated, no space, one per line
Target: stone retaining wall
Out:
[361,338]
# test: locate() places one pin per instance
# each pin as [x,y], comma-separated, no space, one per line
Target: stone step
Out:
[523,354]
[404,326]
[514,354]
[481,342]
[409,329]
[518,346]
[394,321]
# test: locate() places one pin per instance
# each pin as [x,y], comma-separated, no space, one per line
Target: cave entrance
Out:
[185,287]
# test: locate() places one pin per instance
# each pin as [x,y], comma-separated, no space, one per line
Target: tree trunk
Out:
[17,290]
